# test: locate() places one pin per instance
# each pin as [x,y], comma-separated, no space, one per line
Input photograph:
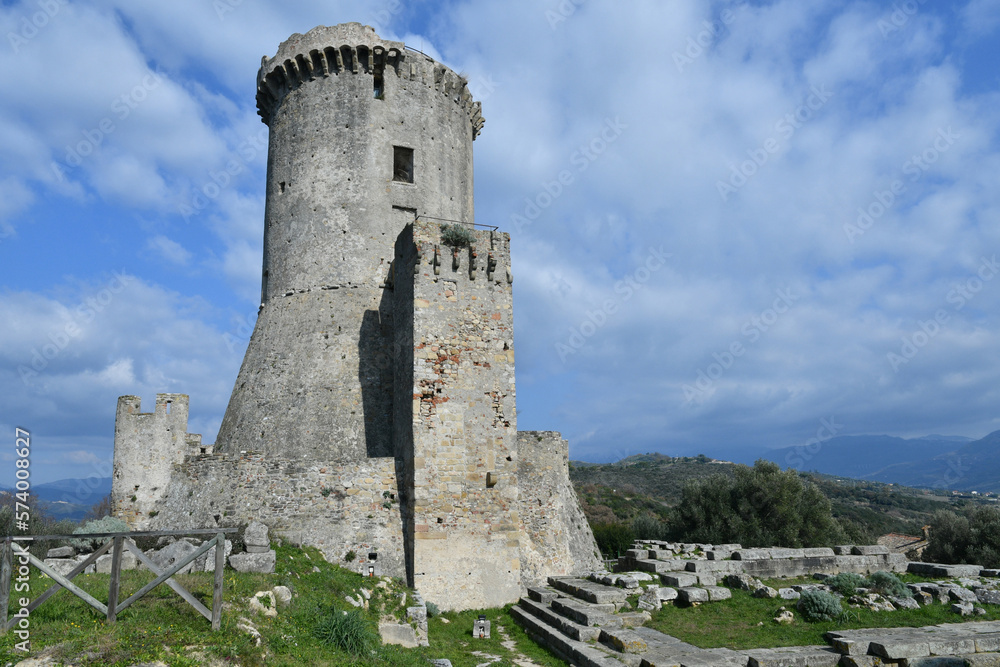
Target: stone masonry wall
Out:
[467,531]
[147,447]
[338,508]
[559,539]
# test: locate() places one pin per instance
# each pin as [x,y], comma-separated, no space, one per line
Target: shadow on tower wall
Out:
[385,372]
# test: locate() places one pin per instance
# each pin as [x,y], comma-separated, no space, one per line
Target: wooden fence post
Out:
[6,554]
[220,565]
[116,569]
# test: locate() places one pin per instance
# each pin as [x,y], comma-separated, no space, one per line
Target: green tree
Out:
[970,537]
[756,507]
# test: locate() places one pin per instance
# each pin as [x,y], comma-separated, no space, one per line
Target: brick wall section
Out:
[467,530]
[559,539]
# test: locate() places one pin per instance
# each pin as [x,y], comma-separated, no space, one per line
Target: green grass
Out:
[734,623]
[161,626]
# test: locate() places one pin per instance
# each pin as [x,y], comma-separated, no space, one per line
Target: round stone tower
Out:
[365,135]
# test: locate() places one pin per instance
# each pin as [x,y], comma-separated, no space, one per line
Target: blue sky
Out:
[770,213]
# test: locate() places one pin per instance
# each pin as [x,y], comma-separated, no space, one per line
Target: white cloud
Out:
[981,17]
[170,250]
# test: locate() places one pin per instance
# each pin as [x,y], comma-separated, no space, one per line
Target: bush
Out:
[108,524]
[761,506]
[350,632]
[819,606]
[457,236]
[845,583]
[613,539]
[648,527]
[432,610]
[887,583]
[972,537]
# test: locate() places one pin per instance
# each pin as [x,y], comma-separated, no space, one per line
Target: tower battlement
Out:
[352,48]
[147,447]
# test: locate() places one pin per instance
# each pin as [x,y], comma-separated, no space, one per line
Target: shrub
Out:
[845,583]
[819,606]
[648,527]
[432,610]
[887,583]
[108,524]
[613,539]
[350,632]
[350,556]
[761,506]
[970,537]
[457,236]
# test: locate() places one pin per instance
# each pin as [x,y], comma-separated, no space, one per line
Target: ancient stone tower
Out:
[374,414]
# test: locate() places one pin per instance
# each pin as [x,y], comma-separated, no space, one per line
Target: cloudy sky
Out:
[730,220]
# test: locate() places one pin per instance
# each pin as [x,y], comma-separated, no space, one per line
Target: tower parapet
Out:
[147,447]
[352,48]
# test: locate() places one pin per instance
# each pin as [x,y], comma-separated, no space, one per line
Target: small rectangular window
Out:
[402,164]
[379,87]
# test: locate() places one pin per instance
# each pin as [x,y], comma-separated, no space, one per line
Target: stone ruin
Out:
[374,416]
[596,620]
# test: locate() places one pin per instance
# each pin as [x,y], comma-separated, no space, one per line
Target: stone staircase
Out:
[591,624]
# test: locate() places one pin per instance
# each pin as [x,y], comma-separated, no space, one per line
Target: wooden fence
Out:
[117,543]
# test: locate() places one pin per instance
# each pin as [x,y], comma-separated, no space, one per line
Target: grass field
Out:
[163,627]
[745,622]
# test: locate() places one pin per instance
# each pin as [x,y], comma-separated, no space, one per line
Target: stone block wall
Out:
[467,530]
[559,541]
[338,508]
[147,447]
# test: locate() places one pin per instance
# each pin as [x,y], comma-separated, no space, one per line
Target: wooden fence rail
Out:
[117,543]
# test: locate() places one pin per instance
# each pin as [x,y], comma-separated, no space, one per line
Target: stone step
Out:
[566,626]
[584,613]
[794,656]
[588,591]
[573,651]
[542,594]
[660,566]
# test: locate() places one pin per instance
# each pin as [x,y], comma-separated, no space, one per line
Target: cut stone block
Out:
[692,595]
[260,563]
[172,553]
[870,550]
[667,594]
[788,594]
[982,659]
[129,562]
[61,552]
[962,595]
[623,641]
[751,554]
[892,649]
[401,634]
[679,579]
[717,593]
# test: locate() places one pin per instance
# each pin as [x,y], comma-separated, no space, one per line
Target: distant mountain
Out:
[933,461]
[70,498]
[859,456]
[88,491]
[974,466]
